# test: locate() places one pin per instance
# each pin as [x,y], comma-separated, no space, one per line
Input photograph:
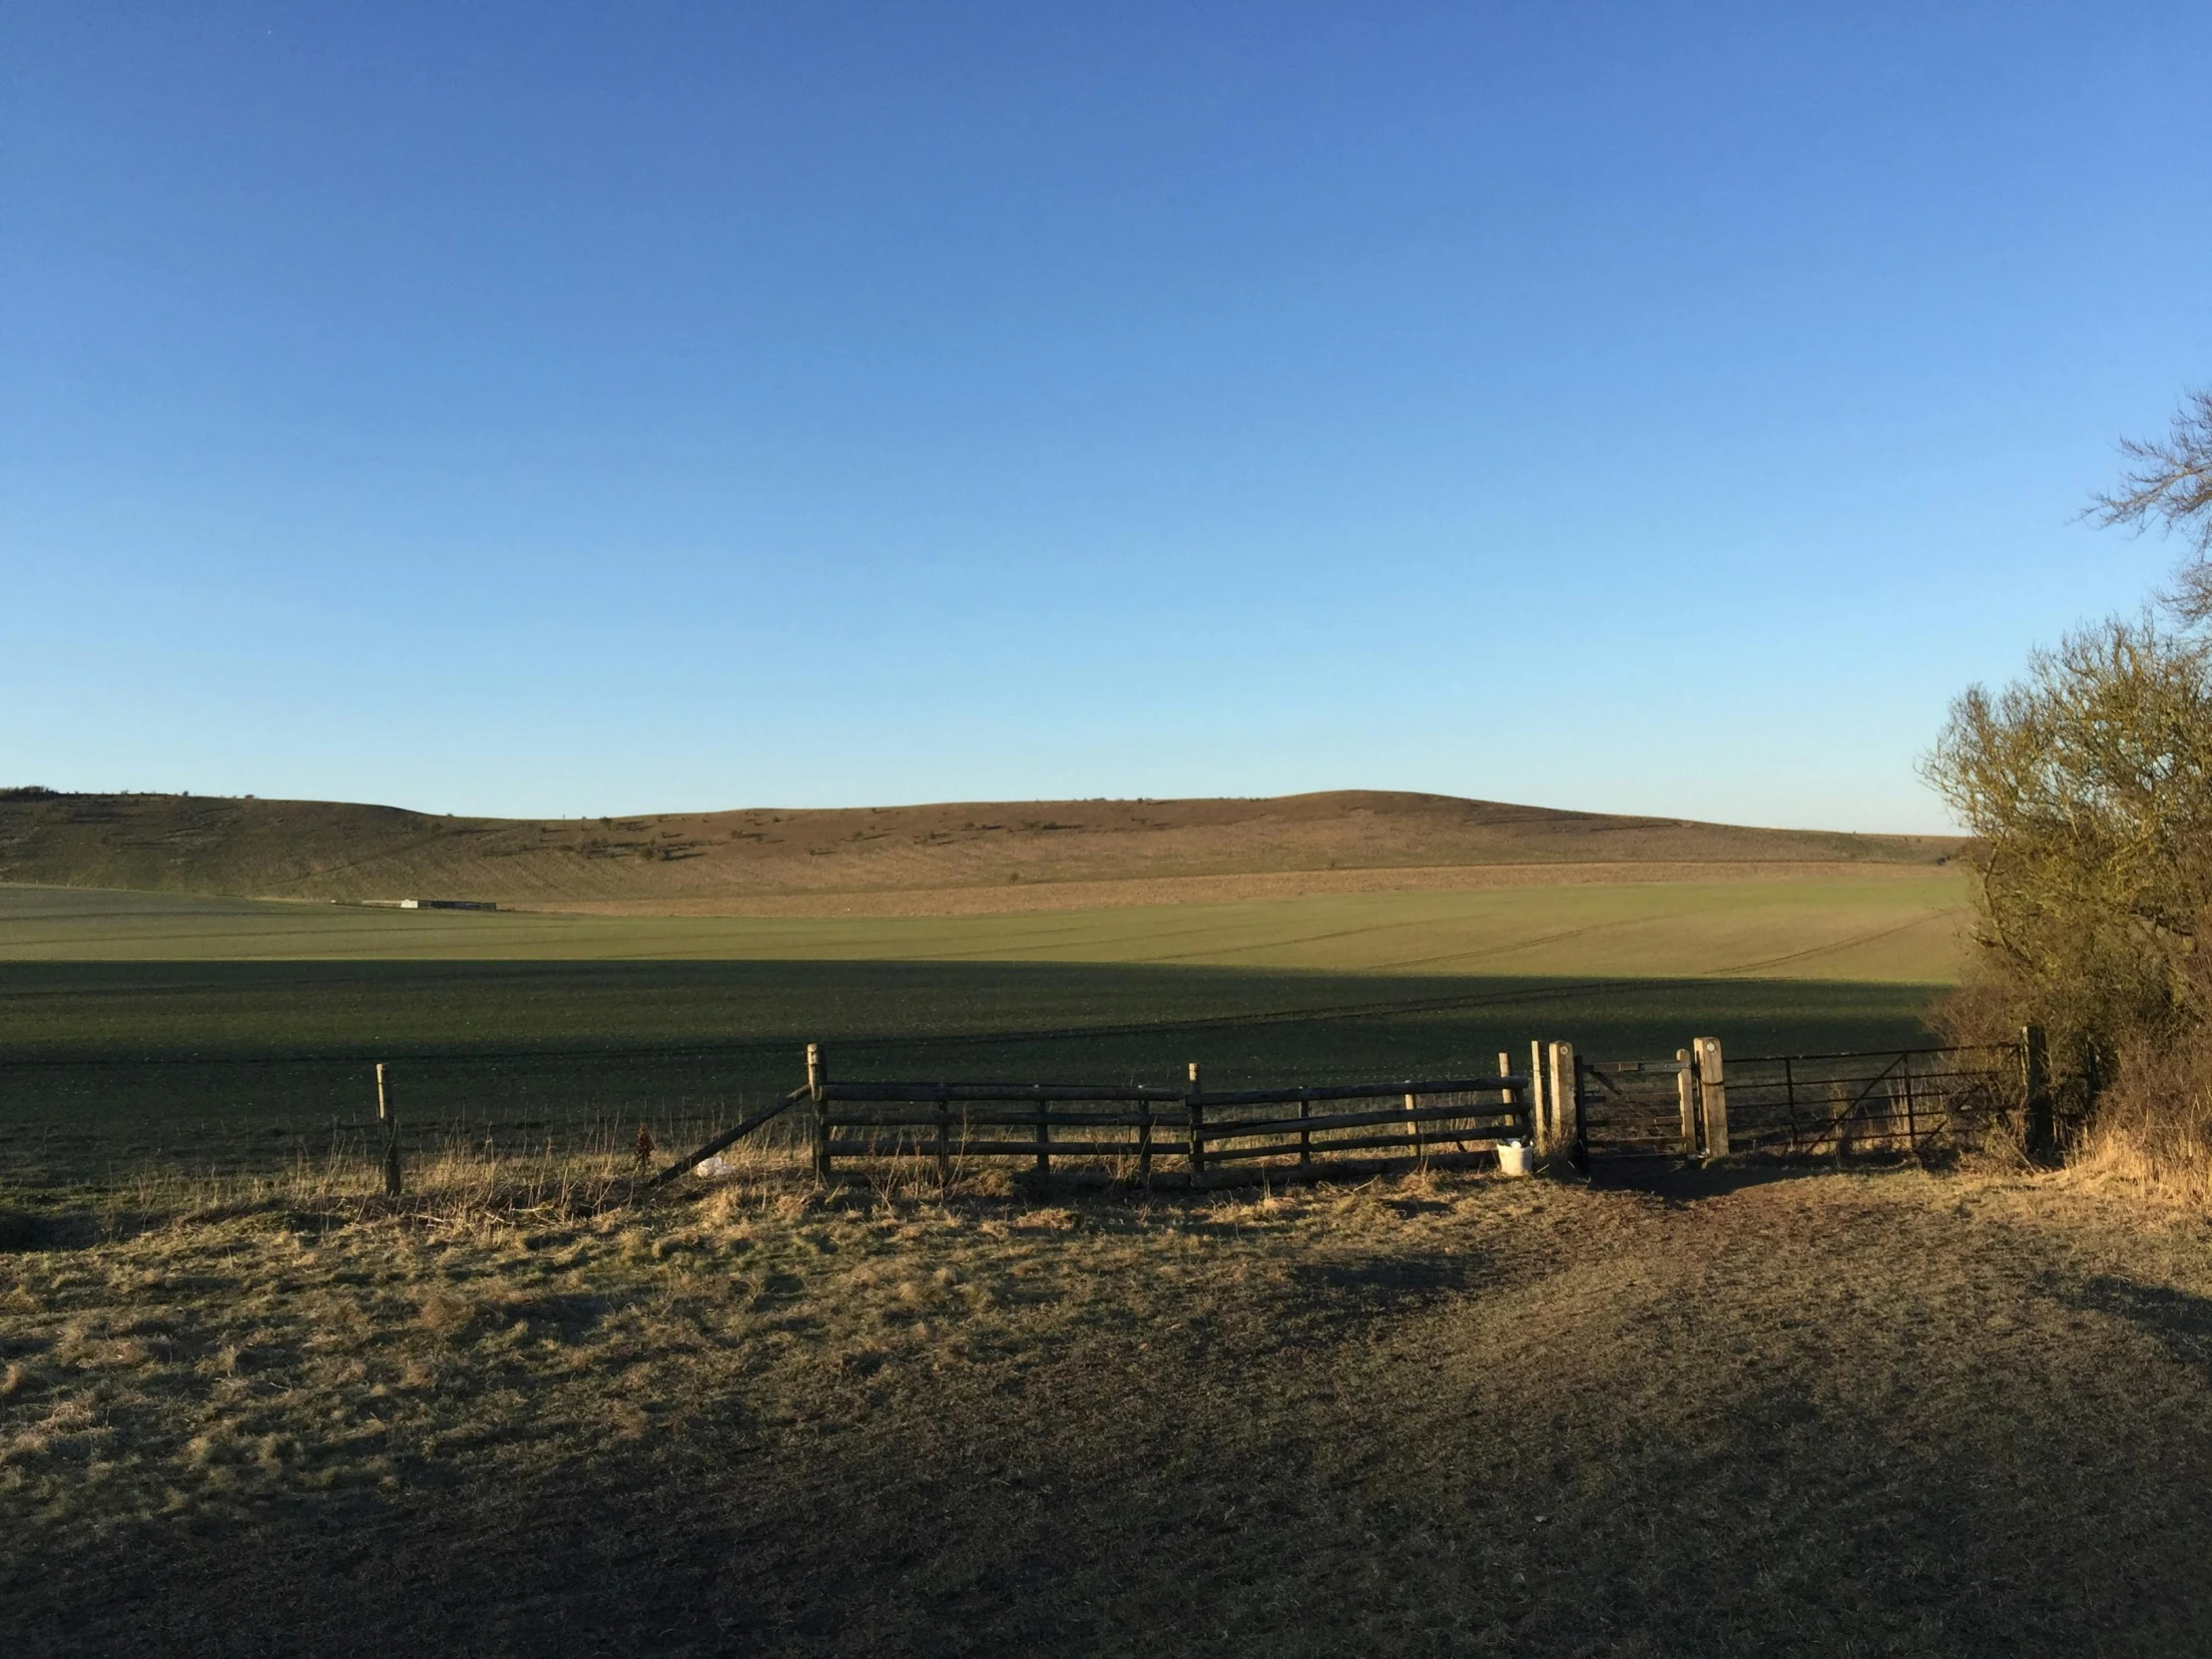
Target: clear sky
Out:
[547,409]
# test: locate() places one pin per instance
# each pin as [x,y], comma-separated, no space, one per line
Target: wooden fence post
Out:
[1197,1111]
[1541,1124]
[944,1141]
[1564,1087]
[1413,1127]
[1538,1137]
[1045,1137]
[1144,1142]
[2036,1076]
[1305,1136]
[818,1092]
[1686,1099]
[389,1116]
[1712,1082]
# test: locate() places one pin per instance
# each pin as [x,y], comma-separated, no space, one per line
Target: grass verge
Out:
[1883,1412]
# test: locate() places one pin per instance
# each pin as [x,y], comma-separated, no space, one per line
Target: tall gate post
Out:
[1712,1081]
[1685,1090]
[1565,1115]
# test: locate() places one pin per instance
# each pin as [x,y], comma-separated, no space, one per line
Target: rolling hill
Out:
[924,859]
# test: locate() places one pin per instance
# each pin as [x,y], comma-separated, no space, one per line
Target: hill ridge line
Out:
[957,856]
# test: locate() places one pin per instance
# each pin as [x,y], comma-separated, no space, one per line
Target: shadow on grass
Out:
[1380,1282]
[1688,1182]
[2180,1320]
[1006,1526]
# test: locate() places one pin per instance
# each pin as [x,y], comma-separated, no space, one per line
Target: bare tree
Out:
[2171,486]
[2088,785]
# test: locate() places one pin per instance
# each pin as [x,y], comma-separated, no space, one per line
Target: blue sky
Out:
[556,409]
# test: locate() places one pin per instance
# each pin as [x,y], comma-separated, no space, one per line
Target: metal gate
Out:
[1637,1108]
[1900,1101]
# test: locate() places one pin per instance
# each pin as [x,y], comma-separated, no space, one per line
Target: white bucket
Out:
[1512,1157]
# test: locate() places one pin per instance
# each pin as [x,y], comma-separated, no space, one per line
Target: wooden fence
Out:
[1130,1133]
[1565,1107]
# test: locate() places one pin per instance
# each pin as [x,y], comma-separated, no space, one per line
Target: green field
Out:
[1886,924]
[227,1033]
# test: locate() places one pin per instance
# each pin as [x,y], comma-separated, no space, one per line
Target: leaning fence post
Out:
[1197,1110]
[2036,1076]
[1712,1095]
[389,1118]
[818,1093]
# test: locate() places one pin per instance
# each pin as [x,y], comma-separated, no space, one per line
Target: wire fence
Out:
[67,1121]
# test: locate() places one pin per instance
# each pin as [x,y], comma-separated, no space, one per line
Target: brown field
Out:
[933,860]
[1776,1412]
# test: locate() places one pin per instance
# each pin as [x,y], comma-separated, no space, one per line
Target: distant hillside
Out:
[964,854]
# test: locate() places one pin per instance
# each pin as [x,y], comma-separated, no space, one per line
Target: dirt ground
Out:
[1791,1411]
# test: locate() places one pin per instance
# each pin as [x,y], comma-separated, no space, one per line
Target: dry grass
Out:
[2152,1132]
[1833,1414]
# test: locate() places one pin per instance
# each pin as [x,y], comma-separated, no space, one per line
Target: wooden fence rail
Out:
[1122,1131]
